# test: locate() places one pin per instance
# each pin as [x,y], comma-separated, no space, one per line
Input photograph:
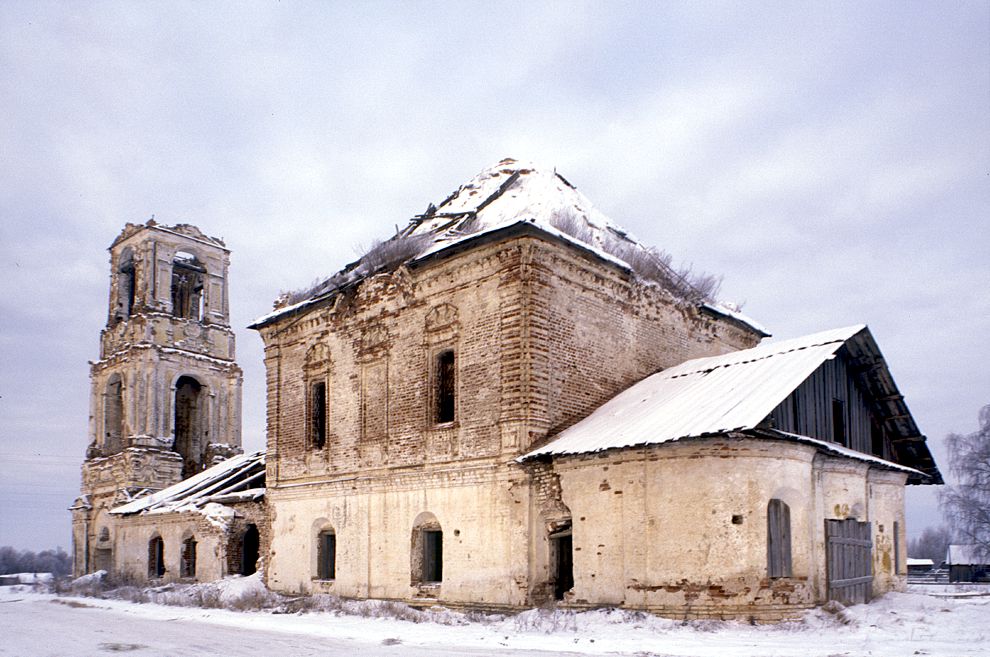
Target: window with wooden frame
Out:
[188,568]
[156,557]
[778,539]
[432,555]
[326,555]
[445,387]
[426,556]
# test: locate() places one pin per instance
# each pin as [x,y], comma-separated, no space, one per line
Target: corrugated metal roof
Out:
[704,396]
[239,474]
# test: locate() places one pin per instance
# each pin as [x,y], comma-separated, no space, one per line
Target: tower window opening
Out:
[187,287]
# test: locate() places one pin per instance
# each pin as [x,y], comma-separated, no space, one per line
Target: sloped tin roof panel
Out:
[236,474]
[704,396]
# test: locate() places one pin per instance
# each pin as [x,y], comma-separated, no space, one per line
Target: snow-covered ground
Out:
[930,621]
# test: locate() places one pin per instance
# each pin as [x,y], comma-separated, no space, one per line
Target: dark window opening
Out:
[326,555]
[250,551]
[432,555]
[156,557]
[113,417]
[562,562]
[187,287]
[126,286]
[877,439]
[188,442]
[839,422]
[445,387]
[188,557]
[778,539]
[318,414]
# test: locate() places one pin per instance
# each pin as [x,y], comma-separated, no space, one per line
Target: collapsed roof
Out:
[238,479]
[516,196]
[736,392]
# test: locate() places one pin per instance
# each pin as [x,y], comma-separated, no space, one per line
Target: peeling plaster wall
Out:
[147,349]
[481,511]
[542,336]
[653,528]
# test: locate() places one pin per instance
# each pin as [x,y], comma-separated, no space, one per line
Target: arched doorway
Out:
[250,550]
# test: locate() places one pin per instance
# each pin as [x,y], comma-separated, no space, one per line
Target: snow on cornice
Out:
[506,194]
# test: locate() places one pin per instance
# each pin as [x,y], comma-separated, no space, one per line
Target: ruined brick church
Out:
[511,401]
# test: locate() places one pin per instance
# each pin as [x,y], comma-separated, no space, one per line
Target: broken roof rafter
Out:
[202,488]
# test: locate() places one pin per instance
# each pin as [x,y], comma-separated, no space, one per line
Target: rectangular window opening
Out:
[327,556]
[877,439]
[318,414]
[839,422]
[432,556]
[445,387]
[562,563]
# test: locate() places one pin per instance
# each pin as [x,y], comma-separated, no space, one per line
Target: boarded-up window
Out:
[189,557]
[156,557]
[897,547]
[326,555]
[318,414]
[778,539]
[113,417]
[432,556]
[445,386]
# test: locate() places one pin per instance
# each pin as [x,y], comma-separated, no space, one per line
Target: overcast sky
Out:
[831,160]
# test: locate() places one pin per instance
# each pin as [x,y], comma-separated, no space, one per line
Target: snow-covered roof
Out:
[511,194]
[911,561]
[728,393]
[239,478]
[699,397]
[966,555]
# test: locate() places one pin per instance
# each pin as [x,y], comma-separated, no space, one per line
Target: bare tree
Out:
[932,544]
[967,503]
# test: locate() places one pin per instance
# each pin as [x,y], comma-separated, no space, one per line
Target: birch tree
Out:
[967,503]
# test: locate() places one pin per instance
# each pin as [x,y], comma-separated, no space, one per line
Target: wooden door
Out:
[849,561]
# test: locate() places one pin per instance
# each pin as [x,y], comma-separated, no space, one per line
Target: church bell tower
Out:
[165,398]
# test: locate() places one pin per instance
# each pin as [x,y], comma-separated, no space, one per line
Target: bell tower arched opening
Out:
[187,286]
[189,441]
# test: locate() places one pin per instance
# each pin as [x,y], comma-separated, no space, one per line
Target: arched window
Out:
[187,286]
[113,416]
[188,568]
[156,557]
[126,285]
[187,427]
[427,550]
[778,539]
[317,374]
[326,554]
